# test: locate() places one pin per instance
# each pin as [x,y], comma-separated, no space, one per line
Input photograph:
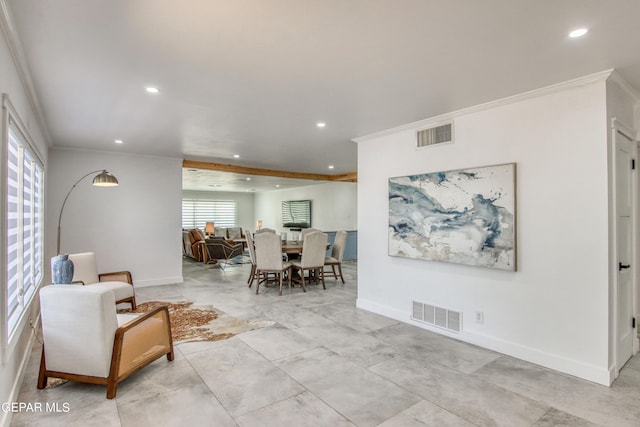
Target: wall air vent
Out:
[435,135]
[441,317]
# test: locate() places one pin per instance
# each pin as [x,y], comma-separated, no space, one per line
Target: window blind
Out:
[196,213]
[24,228]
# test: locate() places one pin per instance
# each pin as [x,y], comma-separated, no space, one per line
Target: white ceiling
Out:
[252,77]
[208,180]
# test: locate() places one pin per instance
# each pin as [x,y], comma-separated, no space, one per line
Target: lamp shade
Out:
[259,224]
[208,228]
[105,179]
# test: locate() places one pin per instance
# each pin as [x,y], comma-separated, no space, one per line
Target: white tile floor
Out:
[326,363]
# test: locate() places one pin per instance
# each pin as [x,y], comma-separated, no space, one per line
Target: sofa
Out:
[229,233]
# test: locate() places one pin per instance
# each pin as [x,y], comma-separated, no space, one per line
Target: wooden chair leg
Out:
[42,376]
[333,267]
[258,284]
[341,276]
[321,274]
[280,276]
[112,388]
[304,288]
[252,275]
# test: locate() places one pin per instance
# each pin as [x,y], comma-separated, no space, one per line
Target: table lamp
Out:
[209,228]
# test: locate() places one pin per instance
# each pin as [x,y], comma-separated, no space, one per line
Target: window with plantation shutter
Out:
[22,223]
[196,213]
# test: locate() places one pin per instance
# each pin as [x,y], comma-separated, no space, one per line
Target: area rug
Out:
[191,323]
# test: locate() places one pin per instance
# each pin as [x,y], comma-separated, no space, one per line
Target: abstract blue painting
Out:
[464,216]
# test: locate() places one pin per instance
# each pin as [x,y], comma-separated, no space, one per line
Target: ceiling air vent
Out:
[435,135]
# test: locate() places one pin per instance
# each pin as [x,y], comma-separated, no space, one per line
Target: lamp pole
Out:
[65,202]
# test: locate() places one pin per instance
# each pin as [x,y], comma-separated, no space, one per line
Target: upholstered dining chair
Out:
[86,341]
[306,231]
[337,253]
[85,272]
[265,230]
[252,256]
[314,248]
[269,259]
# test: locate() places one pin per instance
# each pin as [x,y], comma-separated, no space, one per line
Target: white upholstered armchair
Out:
[86,341]
[85,272]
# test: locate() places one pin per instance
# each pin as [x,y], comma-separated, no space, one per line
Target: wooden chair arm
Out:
[141,318]
[150,338]
[79,282]
[116,276]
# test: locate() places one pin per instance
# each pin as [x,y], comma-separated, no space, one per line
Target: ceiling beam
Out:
[194,164]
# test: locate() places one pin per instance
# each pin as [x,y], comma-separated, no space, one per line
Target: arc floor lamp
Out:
[103,179]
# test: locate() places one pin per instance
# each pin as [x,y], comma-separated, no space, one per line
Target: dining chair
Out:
[314,248]
[269,258]
[337,253]
[252,254]
[265,230]
[306,231]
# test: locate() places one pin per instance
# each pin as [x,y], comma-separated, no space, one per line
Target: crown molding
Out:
[625,86]
[20,62]
[547,90]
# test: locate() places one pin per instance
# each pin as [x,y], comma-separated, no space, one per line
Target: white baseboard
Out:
[589,372]
[157,282]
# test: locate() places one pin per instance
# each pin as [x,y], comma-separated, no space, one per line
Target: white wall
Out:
[333,207]
[12,370]
[244,204]
[554,310]
[135,226]
[622,102]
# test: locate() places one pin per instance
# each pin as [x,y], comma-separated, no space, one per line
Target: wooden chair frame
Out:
[117,276]
[115,376]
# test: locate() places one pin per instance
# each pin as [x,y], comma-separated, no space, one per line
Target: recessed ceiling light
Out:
[248,179]
[236,156]
[578,32]
[331,166]
[152,89]
[277,185]
[118,141]
[321,124]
